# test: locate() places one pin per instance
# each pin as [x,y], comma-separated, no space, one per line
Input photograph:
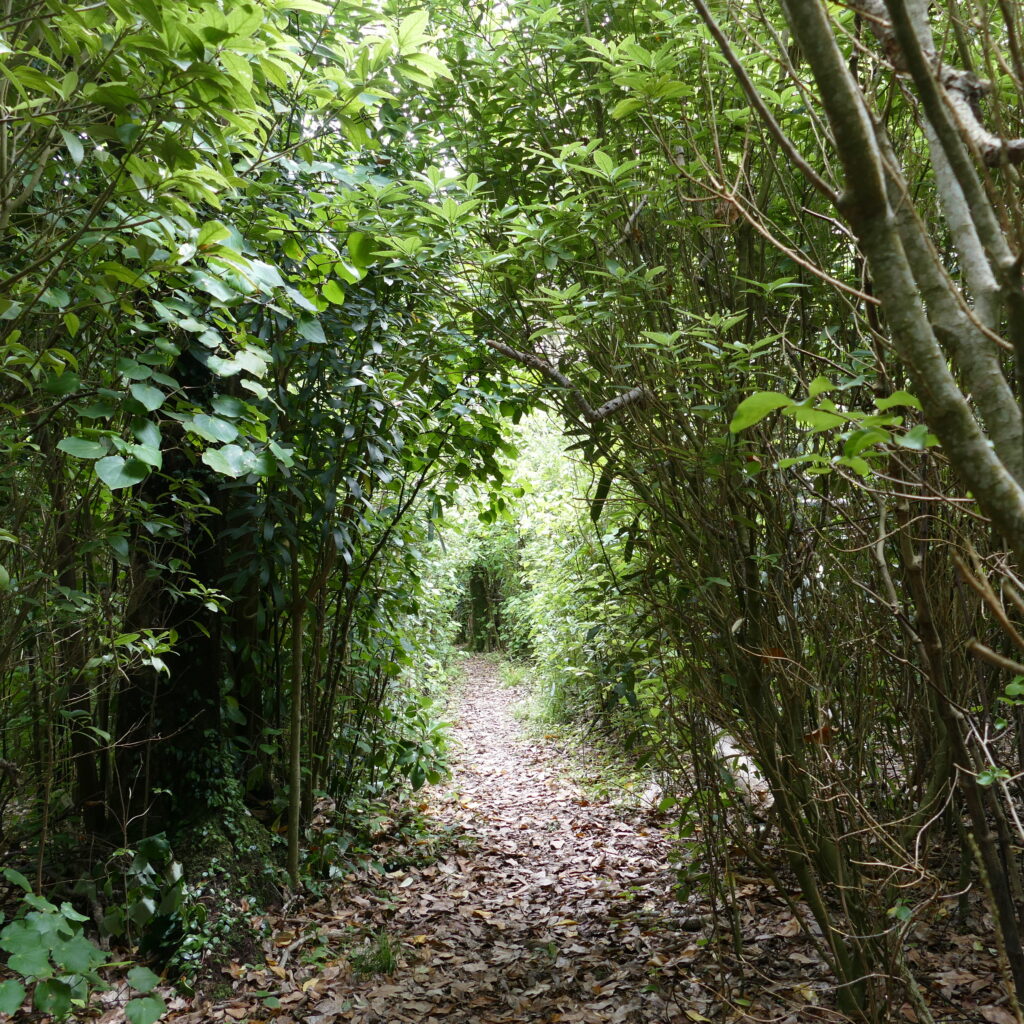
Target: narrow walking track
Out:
[556,909]
[545,907]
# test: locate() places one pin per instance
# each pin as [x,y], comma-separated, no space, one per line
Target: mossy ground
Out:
[234,878]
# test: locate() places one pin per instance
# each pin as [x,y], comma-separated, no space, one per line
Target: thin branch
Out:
[542,366]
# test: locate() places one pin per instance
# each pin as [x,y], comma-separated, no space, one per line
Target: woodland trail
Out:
[555,913]
[545,907]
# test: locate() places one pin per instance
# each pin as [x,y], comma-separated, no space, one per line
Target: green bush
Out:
[51,953]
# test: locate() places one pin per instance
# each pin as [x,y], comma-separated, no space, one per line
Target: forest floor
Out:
[544,904]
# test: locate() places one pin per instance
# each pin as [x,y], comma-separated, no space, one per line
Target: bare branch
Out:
[542,366]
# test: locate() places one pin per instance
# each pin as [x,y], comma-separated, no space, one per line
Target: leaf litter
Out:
[548,906]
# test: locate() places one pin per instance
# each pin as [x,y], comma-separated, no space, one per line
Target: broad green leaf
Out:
[32,963]
[856,463]
[148,454]
[819,386]
[18,879]
[75,147]
[117,472]
[143,979]
[412,31]
[917,438]
[626,107]
[230,460]
[333,292]
[898,398]
[212,232]
[146,1010]
[53,996]
[360,248]
[78,955]
[12,995]
[66,383]
[816,419]
[861,439]
[82,449]
[212,428]
[149,397]
[146,432]
[754,409]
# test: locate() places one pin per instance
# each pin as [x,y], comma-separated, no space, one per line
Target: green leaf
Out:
[78,955]
[819,386]
[147,1010]
[12,995]
[82,449]
[333,292]
[66,383]
[18,879]
[146,432]
[861,439]
[147,454]
[143,979]
[360,248]
[149,397]
[898,398]
[816,419]
[117,472]
[754,409]
[32,963]
[917,438]
[212,428]
[54,997]
[626,107]
[230,460]
[211,233]
[412,31]
[75,147]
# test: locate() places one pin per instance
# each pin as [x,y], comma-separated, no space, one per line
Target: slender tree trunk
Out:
[295,750]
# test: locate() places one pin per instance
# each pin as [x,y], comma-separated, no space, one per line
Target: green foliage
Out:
[144,892]
[49,949]
[234,343]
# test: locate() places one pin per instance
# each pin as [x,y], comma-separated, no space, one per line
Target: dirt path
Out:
[557,911]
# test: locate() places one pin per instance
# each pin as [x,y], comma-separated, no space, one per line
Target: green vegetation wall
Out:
[763,262]
[236,387]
